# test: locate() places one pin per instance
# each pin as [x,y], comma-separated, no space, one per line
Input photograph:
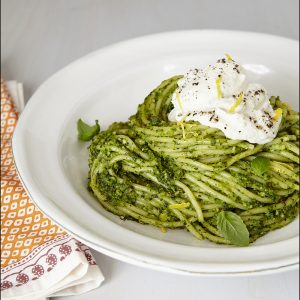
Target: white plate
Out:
[107,85]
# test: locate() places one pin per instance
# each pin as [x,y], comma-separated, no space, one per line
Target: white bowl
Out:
[108,85]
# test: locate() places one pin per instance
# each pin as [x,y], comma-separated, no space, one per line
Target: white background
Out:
[38,37]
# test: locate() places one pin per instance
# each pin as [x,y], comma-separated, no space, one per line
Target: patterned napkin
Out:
[38,258]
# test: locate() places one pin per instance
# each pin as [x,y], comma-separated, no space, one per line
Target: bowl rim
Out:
[290,263]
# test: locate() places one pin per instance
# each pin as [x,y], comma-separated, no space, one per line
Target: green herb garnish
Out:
[233,228]
[87,132]
[260,165]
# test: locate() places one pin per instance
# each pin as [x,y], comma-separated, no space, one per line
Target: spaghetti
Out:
[148,171]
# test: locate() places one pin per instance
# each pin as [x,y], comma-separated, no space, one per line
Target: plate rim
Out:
[98,52]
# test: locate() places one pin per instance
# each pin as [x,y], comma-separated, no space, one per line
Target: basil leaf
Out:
[233,228]
[86,132]
[260,165]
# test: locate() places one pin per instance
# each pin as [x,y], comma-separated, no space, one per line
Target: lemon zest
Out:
[228,57]
[179,101]
[218,84]
[179,205]
[277,114]
[180,123]
[163,229]
[236,103]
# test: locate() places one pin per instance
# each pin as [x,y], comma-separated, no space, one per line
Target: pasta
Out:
[181,175]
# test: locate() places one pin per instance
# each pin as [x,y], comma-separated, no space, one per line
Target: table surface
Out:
[39,37]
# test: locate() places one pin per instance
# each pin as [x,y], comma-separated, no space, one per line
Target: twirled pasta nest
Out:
[183,175]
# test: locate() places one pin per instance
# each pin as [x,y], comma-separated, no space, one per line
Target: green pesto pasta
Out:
[173,175]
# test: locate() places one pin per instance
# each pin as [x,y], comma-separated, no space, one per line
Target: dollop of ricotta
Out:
[220,96]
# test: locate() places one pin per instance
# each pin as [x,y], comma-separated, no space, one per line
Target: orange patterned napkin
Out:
[38,258]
